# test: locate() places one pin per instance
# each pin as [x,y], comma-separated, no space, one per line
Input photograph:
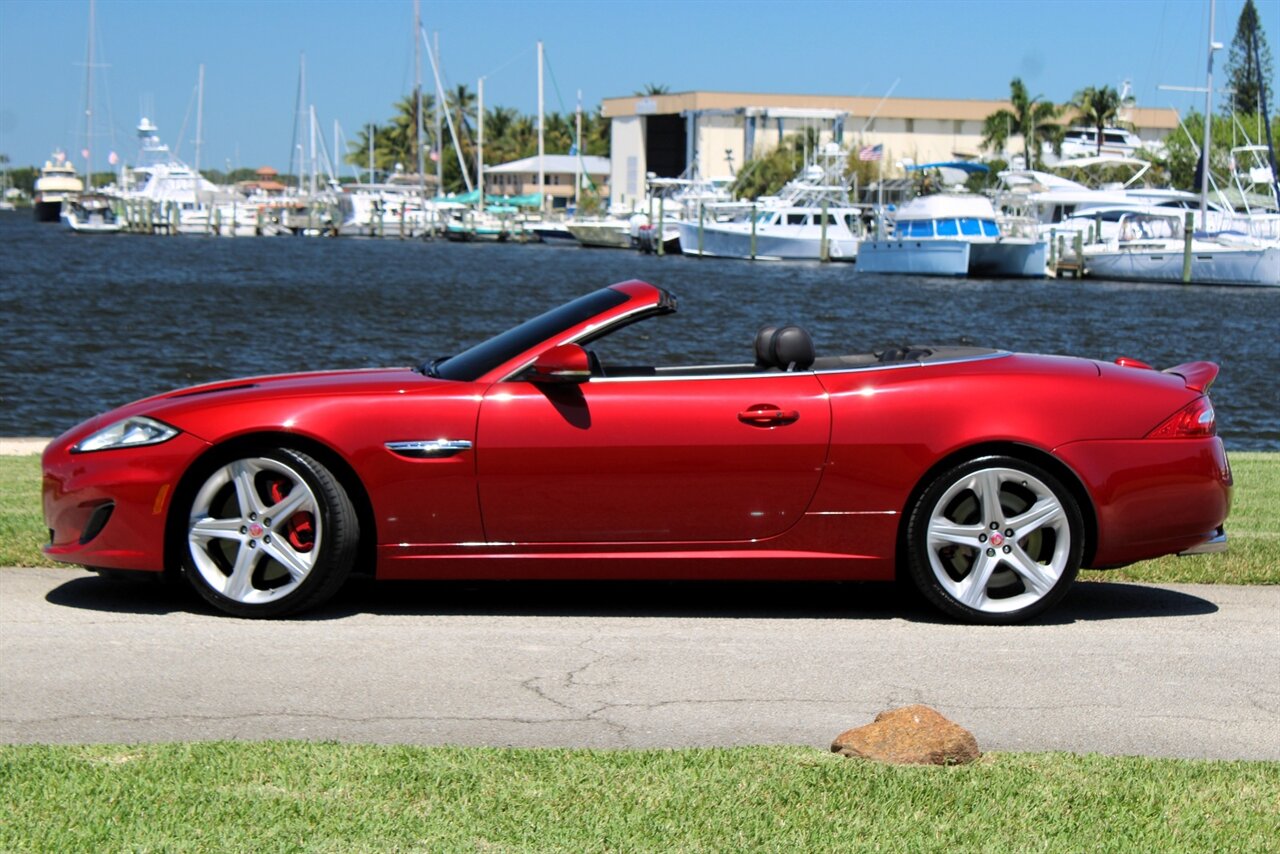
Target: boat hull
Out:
[47,210]
[1221,266]
[722,242]
[558,235]
[953,258]
[602,236]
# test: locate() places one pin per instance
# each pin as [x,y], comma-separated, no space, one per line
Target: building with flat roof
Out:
[720,131]
[520,177]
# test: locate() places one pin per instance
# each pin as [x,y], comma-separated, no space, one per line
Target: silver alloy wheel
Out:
[254,532]
[998,540]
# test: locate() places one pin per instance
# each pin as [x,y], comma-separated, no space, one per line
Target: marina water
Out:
[91,322]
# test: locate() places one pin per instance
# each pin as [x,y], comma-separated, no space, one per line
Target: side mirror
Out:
[567,363]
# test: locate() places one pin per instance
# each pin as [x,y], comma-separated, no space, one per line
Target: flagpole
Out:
[880,196]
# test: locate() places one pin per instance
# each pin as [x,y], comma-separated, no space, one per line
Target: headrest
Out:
[791,349]
[764,337]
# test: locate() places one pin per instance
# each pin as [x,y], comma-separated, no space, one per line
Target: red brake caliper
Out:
[301,530]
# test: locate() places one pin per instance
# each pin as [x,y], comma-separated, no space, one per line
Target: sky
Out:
[359,58]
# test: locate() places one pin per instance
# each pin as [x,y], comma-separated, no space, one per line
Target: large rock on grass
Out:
[912,735]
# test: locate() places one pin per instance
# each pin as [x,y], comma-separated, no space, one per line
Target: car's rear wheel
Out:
[994,540]
[269,534]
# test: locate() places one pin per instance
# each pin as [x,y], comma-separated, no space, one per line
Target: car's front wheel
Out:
[269,534]
[994,540]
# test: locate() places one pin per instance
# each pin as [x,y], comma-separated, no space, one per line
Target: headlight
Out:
[129,433]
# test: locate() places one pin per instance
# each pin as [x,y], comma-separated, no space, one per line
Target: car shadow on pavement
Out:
[1085,602]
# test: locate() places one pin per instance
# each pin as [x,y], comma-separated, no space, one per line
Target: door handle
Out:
[768,415]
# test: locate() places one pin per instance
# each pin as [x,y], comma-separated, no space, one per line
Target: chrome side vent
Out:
[432,449]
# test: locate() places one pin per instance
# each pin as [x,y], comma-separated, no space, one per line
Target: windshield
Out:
[487,355]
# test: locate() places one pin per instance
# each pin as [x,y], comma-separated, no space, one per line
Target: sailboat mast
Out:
[577,170]
[88,107]
[1208,124]
[480,139]
[313,149]
[542,175]
[417,91]
[199,115]
[439,106]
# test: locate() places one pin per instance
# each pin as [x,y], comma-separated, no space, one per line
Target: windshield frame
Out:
[474,362]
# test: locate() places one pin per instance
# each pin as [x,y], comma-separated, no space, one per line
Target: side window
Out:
[795,219]
[947,228]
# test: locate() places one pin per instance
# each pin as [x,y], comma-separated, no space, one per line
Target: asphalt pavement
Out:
[1169,670]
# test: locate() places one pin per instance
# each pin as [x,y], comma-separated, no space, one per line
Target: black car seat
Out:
[764,338]
[791,349]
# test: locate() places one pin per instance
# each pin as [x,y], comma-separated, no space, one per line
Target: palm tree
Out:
[1098,107]
[1031,118]
[653,89]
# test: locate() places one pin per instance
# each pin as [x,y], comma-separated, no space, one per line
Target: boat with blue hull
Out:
[955,234]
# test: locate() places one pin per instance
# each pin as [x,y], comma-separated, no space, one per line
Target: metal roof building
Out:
[720,131]
[520,177]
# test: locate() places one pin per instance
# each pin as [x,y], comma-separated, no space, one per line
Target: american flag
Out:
[871,152]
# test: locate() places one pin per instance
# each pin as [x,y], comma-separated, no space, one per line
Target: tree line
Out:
[508,135]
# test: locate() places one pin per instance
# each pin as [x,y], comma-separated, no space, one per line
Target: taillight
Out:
[1193,421]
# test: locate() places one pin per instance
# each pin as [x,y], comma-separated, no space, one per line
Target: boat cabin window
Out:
[817,219]
[767,218]
[1116,138]
[990,229]
[795,219]
[851,220]
[947,228]
[917,228]
[970,226]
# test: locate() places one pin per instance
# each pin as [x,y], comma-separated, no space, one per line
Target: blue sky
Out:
[359,58]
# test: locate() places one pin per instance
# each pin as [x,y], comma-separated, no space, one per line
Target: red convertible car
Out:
[988,478]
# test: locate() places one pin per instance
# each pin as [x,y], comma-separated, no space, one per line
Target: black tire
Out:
[994,540]
[248,564]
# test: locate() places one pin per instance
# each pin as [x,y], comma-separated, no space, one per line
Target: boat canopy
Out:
[962,165]
[529,200]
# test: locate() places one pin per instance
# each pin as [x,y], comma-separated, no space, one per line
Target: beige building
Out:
[520,177]
[719,131]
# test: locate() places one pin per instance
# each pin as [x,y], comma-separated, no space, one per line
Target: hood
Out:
[184,408]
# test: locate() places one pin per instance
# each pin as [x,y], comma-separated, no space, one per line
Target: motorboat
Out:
[1082,141]
[607,233]
[57,184]
[91,213]
[811,219]
[1154,248]
[955,234]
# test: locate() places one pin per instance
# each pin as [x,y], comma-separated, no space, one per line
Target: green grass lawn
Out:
[297,796]
[22,530]
[1253,529]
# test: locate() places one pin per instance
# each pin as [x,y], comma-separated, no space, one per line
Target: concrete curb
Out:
[21,446]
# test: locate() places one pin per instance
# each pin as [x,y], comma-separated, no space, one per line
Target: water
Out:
[91,322]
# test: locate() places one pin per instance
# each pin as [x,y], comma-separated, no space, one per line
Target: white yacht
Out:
[955,234]
[1064,206]
[1153,248]
[175,197]
[57,183]
[92,213]
[1083,142]
[812,210]
[608,233]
